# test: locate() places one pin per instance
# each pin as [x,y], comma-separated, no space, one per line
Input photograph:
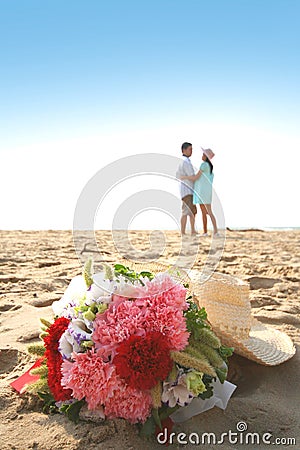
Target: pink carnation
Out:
[171,323]
[164,285]
[89,377]
[128,403]
[161,311]
[117,324]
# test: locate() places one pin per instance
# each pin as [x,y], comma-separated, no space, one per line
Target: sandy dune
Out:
[36,267]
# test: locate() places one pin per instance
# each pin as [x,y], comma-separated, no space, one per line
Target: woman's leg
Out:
[212,217]
[204,217]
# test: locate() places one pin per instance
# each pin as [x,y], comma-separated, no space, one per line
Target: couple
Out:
[196,189]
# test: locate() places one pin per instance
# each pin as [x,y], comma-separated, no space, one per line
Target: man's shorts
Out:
[188,208]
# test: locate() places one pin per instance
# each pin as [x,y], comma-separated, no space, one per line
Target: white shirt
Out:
[185,169]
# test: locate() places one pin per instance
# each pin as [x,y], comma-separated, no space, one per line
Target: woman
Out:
[203,180]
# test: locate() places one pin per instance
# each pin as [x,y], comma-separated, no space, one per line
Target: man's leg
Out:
[192,220]
[183,224]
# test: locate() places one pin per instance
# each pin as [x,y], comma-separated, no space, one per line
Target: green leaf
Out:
[166,411]
[72,411]
[148,428]
[147,274]
[156,417]
[49,402]
[226,352]
[207,380]
[222,374]
[207,394]
[46,397]
[195,318]
[120,269]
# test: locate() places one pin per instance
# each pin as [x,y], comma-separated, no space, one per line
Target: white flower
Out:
[67,345]
[79,330]
[101,287]
[176,392]
[75,292]
[72,338]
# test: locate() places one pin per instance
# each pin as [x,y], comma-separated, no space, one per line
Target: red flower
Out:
[54,359]
[142,361]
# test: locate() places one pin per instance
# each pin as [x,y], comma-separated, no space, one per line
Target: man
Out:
[186,188]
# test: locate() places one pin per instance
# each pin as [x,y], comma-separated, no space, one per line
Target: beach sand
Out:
[36,267]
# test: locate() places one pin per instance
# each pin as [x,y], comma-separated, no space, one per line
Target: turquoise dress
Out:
[203,186]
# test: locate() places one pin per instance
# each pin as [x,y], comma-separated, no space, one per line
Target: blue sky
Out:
[75,69]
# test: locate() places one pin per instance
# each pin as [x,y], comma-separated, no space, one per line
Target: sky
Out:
[85,83]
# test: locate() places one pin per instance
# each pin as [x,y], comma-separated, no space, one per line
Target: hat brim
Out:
[204,150]
[233,323]
[265,345]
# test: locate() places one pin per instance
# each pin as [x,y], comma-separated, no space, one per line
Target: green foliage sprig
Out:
[195,318]
[205,345]
[72,410]
[120,269]
[88,272]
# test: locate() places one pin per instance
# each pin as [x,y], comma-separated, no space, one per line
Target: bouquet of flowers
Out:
[128,345]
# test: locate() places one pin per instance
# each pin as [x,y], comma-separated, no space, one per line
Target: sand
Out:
[36,267]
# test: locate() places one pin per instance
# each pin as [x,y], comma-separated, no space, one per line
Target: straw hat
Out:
[226,300]
[208,152]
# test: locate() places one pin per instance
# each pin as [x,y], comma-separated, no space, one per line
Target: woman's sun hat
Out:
[226,300]
[208,152]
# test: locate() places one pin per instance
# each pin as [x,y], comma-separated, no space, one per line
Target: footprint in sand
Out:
[267,315]
[11,358]
[228,258]
[48,263]
[263,282]
[263,300]
[8,360]
[29,336]
[42,303]
[9,307]
[11,279]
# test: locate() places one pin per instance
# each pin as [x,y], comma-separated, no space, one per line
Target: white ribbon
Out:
[220,398]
